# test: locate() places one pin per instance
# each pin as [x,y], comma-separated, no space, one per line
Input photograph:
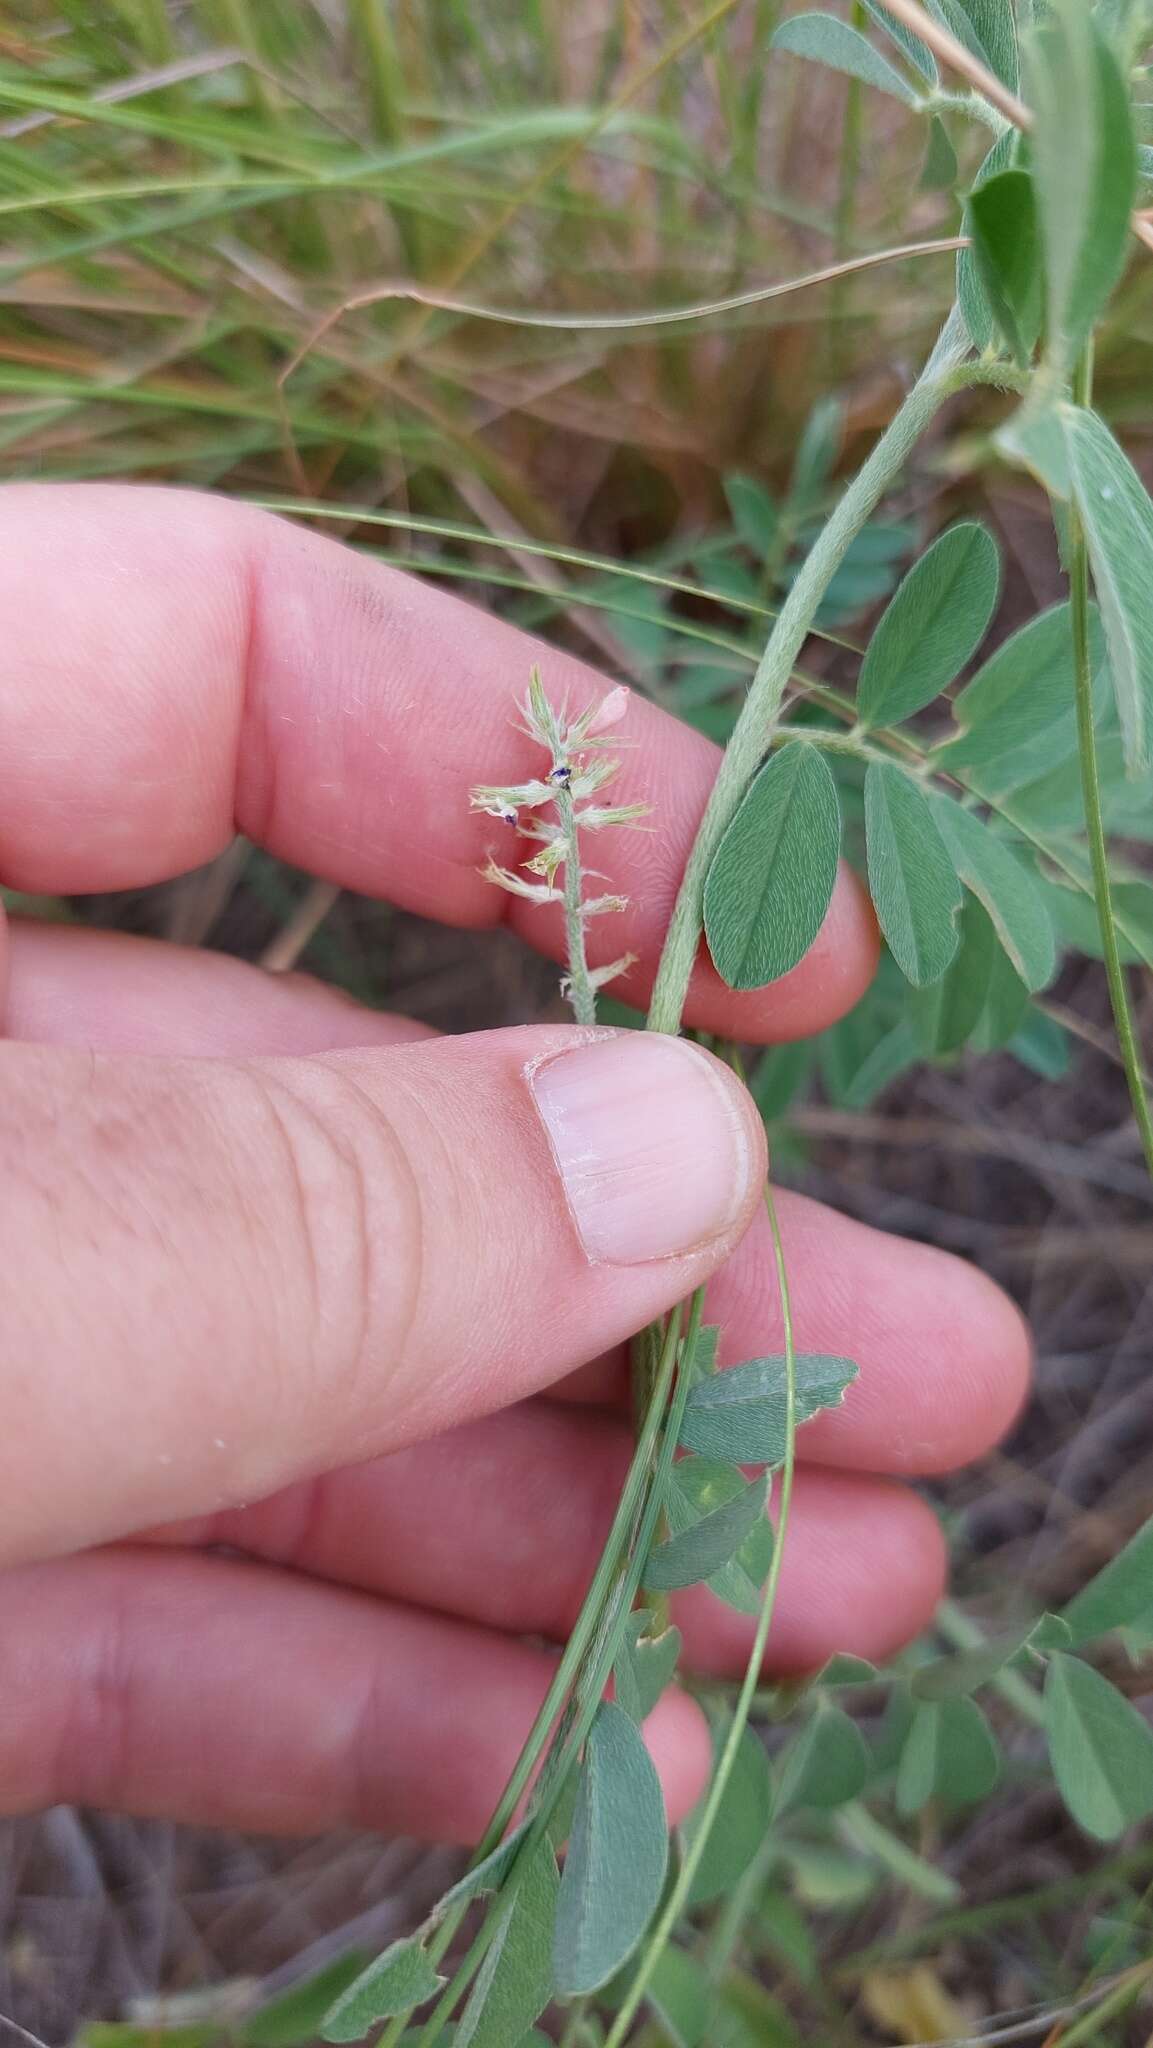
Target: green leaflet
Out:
[297,2015]
[949,1677]
[740,1415]
[1100,1748]
[696,1487]
[1086,170]
[754,513]
[681,1996]
[1117,516]
[1043,1046]
[617,1856]
[946,1015]
[515,1982]
[742,1820]
[781,1074]
[932,625]
[940,170]
[1006,888]
[399,1979]
[949,1754]
[702,1544]
[971,297]
[912,878]
[644,1666]
[1016,717]
[1006,1002]
[827,1763]
[988,29]
[833,42]
[772,878]
[1120,1593]
[1003,223]
[487,1876]
[918,53]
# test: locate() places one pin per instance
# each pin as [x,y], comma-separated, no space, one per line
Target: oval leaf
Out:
[912,879]
[699,1549]
[949,1754]
[988,29]
[644,1666]
[1100,1748]
[946,1015]
[1017,717]
[515,1982]
[772,878]
[833,42]
[918,53]
[1086,169]
[398,1980]
[1119,1595]
[617,1856]
[1118,519]
[934,623]
[1006,243]
[1002,883]
[742,1821]
[740,1415]
[827,1763]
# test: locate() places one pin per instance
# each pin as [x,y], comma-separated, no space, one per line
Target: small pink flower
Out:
[610,710]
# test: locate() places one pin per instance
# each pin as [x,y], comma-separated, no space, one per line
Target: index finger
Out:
[179,668]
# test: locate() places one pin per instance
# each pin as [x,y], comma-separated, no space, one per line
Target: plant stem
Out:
[753,731]
[582,994]
[677,1900]
[1091,794]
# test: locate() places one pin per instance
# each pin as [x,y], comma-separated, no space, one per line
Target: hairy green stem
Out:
[677,1900]
[1091,795]
[754,728]
[582,994]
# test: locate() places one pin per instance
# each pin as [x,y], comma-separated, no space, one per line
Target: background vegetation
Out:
[186,195]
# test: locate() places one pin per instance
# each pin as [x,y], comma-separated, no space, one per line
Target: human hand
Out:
[294,1278]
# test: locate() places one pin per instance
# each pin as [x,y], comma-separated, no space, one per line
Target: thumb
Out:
[225,1276]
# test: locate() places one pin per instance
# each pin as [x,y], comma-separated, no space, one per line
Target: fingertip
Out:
[677,1738]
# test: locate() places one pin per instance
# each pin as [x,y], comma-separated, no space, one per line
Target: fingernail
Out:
[652,1141]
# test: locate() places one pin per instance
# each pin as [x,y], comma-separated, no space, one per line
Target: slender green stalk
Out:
[678,1897]
[572,1735]
[1091,793]
[754,728]
[582,994]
